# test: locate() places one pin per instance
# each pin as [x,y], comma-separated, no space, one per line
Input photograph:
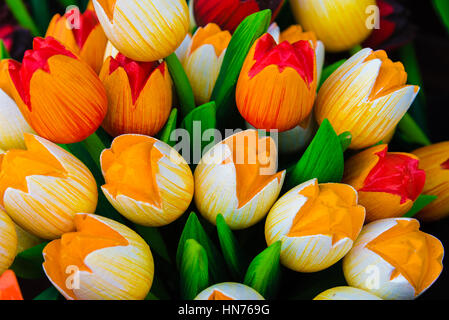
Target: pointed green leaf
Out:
[194,270]
[28,263]
[23,17]
[243,39]
[170,126]
[442,8]
[420,203]
[235,258]
[411,132]
[154,239]
[323,159]
[49,294]
[4,54]
[345,140]
[264,272]
[194,230]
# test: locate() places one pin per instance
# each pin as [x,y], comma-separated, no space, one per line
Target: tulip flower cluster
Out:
[93,181]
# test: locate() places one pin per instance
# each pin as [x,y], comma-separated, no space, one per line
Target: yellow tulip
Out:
[366,96]
[101,260]
[341,25]
[434,160]
[147,181]
[43,187]
[237,178]
[316,223]
[229,291]
[144,30]
[8,242]
[394,260]
[346,293]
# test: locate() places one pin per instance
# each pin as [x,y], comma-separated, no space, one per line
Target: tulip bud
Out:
[43,187]
[144,30]
[277,85]
[394,260]
[204,59]
[316,223]
[13,125]
[101,260]
[147,181]
[8,242]
[388,183]
[434,160]
[228,14]
[366,96]
[229,291]
[346,293]
[83,35]
[139,95]
[59,95]
[9,287]
[341,25]
[237,178]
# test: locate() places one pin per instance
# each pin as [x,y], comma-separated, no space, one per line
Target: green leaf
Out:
[151,296]
[411,132]
[154,239]
[182,84]
[4,54]
[329,70]
[323,159]
[194,230]
[23,17]
[243,39]
[41,13]
[49,294]
[345,140]
[194,270]
[420,203]
[232,252]
[264,272]
[197,123]
[28,263]
[442,8]
[170,126]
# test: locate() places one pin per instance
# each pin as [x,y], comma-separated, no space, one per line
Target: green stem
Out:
[95,147]
[20,12]
[412,132]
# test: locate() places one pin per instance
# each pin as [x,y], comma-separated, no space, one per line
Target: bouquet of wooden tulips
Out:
[215,150]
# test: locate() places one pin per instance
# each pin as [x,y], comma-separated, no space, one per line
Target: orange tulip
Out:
[59,95]
[277,85]
[139,95]
[86,39]
[9,287]
[388,183]
[434,160]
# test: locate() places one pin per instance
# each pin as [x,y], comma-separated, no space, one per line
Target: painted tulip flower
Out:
[101,260]
[316,223]
[59,95]
[394,260]
[139,95]
[229,291]
[341,25]
[277,85]
[388,183]
[434,160]
[204,59]
[13,124]
[228,14]
[9,287]
[85,37]
[144,30]
[8,242]
[147,181]
[43,187]
[346,293]
[237,178]
[366,96]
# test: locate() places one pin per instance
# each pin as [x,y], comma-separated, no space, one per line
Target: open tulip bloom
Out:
[221,150]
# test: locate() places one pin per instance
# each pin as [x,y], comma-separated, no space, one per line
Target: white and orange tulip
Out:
[366,96]
[147,181]
[139,96]
[204,59]
[43,187]
[101,260]
[237,178]
[8,241]
[144,30]
[346,293]
[316,223]
[229,291]
[394,260]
